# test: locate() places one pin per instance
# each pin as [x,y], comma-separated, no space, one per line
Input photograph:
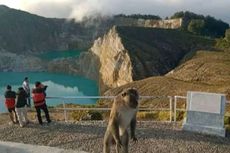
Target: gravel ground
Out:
[88,136]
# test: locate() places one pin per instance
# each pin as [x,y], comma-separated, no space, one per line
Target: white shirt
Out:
[26,86]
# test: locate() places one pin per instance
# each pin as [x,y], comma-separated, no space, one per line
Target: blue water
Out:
[50,55]
[58,85]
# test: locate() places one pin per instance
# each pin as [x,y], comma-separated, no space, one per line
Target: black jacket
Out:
[10,94]
[21,99]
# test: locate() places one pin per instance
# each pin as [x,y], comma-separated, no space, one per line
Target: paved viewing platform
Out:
[153,137]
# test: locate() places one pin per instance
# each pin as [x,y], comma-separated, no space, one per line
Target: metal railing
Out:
[173,107]
[65,109]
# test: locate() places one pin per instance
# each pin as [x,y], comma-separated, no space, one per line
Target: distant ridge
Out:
[23,32]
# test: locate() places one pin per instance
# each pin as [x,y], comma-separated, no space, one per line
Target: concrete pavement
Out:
[12,147]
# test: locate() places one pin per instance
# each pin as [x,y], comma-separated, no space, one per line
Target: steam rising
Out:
[86,8]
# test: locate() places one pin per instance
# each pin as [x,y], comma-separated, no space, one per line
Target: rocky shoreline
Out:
[88,136]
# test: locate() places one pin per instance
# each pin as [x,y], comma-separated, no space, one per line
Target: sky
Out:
[78,9]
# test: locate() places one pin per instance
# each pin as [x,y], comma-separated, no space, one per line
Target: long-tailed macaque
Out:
[122,115]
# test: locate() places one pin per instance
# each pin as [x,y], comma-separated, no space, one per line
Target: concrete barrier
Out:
[205,113]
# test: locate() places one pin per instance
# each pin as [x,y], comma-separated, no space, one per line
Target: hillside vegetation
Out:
[155,51]
[32,33]
[26,32]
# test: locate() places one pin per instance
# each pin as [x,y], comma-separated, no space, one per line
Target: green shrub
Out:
[95,115]
[79,115]
[227,120]
[147,115]
[164,116]
[227,34]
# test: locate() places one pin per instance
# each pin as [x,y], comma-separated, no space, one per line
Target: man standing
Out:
[38,94]
[26,87]
[10,103]
[21,103]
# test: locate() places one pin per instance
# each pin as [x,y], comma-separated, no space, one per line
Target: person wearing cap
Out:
[21,103]
[39,95]
[26,87]
[10,103]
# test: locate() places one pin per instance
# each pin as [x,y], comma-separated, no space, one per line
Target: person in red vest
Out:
[39,95]
[10,103]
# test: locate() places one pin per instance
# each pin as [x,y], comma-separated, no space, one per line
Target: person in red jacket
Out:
[10,103]
[39,95]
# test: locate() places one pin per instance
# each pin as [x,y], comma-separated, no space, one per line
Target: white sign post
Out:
[205,113]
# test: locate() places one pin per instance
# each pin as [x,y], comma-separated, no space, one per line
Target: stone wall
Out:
[165,24]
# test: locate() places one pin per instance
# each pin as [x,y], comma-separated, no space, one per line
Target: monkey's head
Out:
[131,97]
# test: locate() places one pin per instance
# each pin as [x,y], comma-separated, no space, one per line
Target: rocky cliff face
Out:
[126,54]
[115,67]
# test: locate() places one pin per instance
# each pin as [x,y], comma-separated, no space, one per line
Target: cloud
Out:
[78,9]
[86,8]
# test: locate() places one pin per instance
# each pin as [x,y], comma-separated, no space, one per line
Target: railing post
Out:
[170,107]
[175,105]
[65,115]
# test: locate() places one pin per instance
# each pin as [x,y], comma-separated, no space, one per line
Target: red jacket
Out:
[38,96]
[10,99]
[10,102]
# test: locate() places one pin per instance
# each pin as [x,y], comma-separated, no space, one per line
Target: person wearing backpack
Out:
[39,95]
[10,103]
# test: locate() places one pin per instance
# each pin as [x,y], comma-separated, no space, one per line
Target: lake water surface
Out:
[58,85]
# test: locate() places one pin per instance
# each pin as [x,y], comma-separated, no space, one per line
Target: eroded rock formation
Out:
[126,54]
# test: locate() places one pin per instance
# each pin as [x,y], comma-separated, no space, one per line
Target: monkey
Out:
[122,115]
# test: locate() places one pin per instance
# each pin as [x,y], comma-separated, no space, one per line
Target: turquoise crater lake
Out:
[59,85]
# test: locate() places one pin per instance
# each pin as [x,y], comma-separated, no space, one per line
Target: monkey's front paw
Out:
[134,139]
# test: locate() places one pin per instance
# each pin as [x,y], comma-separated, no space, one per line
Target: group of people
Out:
[18,102]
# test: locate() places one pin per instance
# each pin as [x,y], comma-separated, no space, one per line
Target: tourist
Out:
[10,103]
[39,95]
[21,110]
[26,87]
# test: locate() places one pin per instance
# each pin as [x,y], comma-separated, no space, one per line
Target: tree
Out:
[178,15]
[196,26]
[199,24]
[139,16]
[215,28]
